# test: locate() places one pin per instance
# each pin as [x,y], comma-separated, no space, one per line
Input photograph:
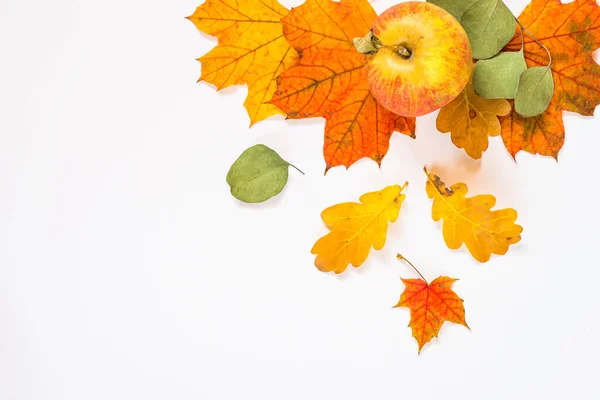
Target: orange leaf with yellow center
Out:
[355,228]
[430,306]
[470,220]
[329,81]
[571,32]
[251,49]
[471,119]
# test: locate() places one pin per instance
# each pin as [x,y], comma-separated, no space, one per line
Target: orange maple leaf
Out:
[430,306]
[251,49]
[571,32]
[543,134]
[329,81]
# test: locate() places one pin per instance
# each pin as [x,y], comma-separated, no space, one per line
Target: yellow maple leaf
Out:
[355,227]
[251,49]
[471,221]
[470,119]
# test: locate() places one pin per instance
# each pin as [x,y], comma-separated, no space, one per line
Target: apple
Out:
[418,58]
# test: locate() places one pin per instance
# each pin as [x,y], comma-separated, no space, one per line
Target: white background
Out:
[127,271]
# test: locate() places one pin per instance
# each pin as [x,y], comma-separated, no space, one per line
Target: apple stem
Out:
[371,44]
[404,52]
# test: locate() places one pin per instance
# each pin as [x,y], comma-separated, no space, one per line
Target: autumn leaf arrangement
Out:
[325,59]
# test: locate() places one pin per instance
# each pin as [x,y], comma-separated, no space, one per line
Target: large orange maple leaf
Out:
[329,81]
[571,32]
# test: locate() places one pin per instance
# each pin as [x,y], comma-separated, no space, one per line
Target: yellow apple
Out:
[420,58]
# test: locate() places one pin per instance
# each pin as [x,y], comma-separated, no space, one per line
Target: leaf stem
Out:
[534,38]
[522,39]
[401,257]
[297,169]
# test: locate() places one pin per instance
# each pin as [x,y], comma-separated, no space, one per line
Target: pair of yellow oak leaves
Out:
[356,227]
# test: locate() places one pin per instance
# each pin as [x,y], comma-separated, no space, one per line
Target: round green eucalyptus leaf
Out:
[498,77]
[536,87]
[454,7]
[490,25]
[257,175]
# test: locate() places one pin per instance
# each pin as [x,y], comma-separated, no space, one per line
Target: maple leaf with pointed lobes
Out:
[543,134]
[251,49]
[430,306]
[571,32]
[329,81]
[471,221]
[471,119]
[355,227]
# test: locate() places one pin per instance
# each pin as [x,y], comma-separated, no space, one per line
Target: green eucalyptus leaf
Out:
[258,174]
[490,25]
[498,77]
[454,7]
[536,87]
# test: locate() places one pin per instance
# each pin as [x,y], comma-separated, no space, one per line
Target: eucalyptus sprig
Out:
[498,74]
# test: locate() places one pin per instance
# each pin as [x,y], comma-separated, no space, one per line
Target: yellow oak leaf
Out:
[252,49]
[355,227]
[471,221]
[470,119]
